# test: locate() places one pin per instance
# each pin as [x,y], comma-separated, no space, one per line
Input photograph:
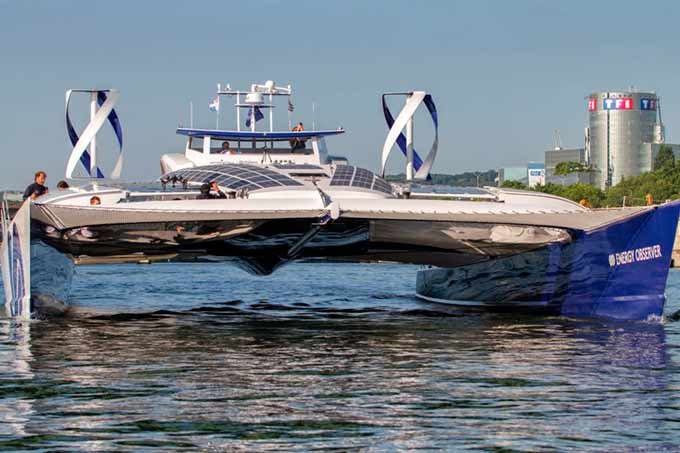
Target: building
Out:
[581,177]
[536,174]
[530,175]
[555,156]
[649,151]
[619,124]
[519,174]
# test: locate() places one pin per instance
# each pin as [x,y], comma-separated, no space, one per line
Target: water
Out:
[326,356]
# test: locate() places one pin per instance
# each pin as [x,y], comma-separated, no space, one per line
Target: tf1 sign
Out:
[647,104]
[592,104]
[617,104]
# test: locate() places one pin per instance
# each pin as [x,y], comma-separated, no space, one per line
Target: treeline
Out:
[663,183]
[467,179]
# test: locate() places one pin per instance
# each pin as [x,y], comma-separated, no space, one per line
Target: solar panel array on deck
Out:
[235,177]
[350,176]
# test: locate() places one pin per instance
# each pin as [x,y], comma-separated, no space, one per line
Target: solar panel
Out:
[348,175]
[238,184]
[381,185]
[362,178]
[343,175]
[234,176]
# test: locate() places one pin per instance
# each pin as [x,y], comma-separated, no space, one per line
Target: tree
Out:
[665,159]
[564,168]
[579,191]
[513,185]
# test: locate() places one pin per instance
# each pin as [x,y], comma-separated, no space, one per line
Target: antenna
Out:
[254,98]
[557,140]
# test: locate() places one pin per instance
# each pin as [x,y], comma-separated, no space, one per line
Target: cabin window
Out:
[196,144]
[223,146]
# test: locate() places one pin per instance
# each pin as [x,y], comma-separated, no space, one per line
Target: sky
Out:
[504,75]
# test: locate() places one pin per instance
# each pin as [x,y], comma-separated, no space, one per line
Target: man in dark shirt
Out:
[38,187]
[210,191]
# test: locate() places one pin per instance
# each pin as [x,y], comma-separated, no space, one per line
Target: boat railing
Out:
[11,196]
[249,150]
[132,197]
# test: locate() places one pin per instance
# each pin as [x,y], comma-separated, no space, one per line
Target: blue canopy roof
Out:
[257,135]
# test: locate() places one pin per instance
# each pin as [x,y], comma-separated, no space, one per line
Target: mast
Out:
[271,113]
[93,142]
[409,145]
[238,111]
[217,120]
[256,92]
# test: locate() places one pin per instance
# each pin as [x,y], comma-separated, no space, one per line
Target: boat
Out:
[282,197]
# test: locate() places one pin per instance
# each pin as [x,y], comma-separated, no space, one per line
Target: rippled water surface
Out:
[206,357]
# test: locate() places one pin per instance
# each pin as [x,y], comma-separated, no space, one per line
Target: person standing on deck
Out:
[38,187]
[296,143]
[649,199]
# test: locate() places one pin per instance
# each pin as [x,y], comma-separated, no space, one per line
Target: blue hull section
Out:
[51,276]
[618,271]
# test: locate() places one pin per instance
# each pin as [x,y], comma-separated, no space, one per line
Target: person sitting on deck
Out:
[62,185]
[225,149]
[296,143]
[215,191]
[95,201]
[38,188]
[205,192]
[210,191]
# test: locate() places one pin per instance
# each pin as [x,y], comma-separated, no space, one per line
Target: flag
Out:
[215,104]
[256,112]
[290,106]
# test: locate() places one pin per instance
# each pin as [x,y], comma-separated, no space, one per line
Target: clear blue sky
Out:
[504,74]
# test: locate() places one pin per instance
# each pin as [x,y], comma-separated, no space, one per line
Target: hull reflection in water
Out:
[335,366]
